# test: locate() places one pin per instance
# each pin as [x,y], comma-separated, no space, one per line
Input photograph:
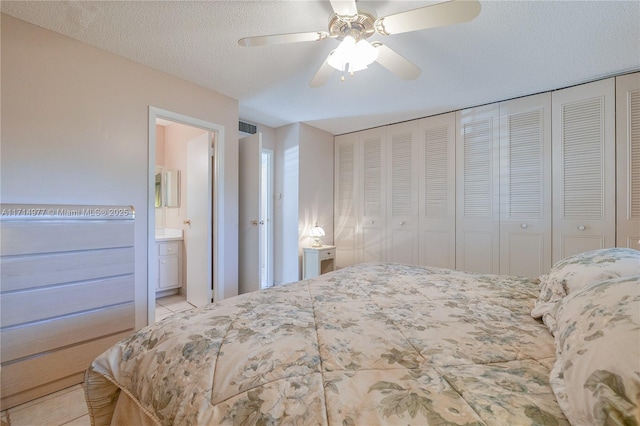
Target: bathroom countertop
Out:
[167,234]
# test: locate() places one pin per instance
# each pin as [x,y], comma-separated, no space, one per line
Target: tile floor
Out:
[67,407]
[168,305]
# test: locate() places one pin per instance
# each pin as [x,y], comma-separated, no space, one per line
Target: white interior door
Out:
[402,193]
[250,177]
[583,146]
[525,186]
[372,213]
[628,160]
[198,234]
[478,190]
[346,200]
[437,189]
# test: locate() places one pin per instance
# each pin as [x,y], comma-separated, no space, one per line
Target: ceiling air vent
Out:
[247,128]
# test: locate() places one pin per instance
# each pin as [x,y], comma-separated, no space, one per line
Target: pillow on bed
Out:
[596,375]
[575,272]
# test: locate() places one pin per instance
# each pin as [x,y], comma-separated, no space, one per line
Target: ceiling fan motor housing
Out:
[360,28]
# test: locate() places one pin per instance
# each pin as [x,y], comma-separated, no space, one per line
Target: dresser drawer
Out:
[326,254]
[168,248]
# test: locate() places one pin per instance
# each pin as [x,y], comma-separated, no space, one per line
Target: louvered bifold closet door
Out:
[628,160]
[478,190]
[525,186]
[372,173]
[402,193]
[583,168]
[346,200]
[437,180]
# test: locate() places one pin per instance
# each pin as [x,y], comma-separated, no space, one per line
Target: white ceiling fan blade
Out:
[345,8]
[323,74]
[395,62]
[283,38]
[433,16]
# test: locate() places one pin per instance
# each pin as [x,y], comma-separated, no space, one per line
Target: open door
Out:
[250,177]
[198,231]
[221,281]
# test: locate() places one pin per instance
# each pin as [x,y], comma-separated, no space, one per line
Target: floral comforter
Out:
[371,344]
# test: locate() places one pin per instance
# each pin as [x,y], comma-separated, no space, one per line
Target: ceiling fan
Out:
[352,27]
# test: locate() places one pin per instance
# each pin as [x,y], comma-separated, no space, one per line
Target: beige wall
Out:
[74,130]
[304,178]
[287,177]
[177,137]
[316,183]
[159,145]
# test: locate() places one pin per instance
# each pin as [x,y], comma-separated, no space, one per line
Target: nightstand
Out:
[318,260]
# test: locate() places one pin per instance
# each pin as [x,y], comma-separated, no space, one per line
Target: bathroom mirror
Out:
[172,188]
[158,194]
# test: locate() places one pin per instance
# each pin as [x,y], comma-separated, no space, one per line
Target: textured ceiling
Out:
[512,48]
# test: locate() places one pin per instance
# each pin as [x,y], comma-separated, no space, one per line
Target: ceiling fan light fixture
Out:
[352,56]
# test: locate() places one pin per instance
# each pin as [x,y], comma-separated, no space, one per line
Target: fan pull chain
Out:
[345,68]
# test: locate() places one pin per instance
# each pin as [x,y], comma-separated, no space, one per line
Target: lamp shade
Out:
[316,233]
[351,56]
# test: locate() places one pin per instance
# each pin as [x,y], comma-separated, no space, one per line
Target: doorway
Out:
[266,217]
[211,225]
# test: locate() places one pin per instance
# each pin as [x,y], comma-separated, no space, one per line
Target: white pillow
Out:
[580,270]
[596,375]
[575,272]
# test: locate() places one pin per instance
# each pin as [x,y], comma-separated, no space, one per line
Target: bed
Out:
[381,343]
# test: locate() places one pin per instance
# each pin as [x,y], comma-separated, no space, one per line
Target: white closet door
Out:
[437,180]
[584,202]
[373,225]
[402,193]
[478,190]
[346,200]
[628,160]
[525,186]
